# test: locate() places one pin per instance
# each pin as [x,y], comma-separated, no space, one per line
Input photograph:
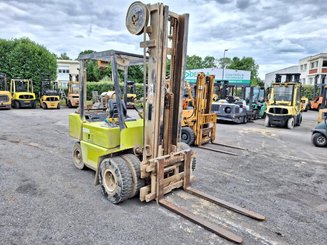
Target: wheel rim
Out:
[184,136]
[109,181]
[321,140]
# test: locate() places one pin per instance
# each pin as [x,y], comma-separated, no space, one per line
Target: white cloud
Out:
[275,33]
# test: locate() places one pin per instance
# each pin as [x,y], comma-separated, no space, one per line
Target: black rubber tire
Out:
[17,104]
[77,156]
[69,104]
[267,121]
[183,146]
[256,115]
[187,136]
[44,106]
[58,106]
[134,165]
[244,119]
[319,140]
[290,123]
[299,120]
[33,104]
[123,186]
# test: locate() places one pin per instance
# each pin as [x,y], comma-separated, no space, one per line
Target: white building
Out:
[312,66]
[309,67]
[67,70]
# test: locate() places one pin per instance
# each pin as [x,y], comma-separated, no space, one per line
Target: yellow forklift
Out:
[5,96]
[144,157]
[49,95]
[198,122]
[284,108]
[22,93]
[72,98]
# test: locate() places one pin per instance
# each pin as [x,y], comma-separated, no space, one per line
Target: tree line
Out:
[26,59]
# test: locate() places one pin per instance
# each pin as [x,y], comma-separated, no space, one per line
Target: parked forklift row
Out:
[21,94]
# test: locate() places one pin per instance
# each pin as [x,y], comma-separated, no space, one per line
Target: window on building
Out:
[310,79]
[324,63]
[303,80]
[312,65]
[305,67]
[59,71]
[301,67]
[67,71]
[316,63]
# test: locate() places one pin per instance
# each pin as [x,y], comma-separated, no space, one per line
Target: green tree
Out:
[193,62]
[26,59]
[248,64]
[64,56]
[224,62]
[208,62]
[93,73]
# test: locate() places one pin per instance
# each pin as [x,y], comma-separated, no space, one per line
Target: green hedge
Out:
[307,91]
[105,86]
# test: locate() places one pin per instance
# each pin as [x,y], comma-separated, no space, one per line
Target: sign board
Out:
[235,77]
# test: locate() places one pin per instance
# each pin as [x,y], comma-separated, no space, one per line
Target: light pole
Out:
[223,76]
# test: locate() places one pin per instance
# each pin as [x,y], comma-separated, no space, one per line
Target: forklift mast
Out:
[319,87]
[165,36]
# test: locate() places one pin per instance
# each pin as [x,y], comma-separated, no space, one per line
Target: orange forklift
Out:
[318,92]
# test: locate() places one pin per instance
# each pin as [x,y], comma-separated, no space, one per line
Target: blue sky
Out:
[275,33]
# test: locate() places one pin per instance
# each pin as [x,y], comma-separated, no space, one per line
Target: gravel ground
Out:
[44,199]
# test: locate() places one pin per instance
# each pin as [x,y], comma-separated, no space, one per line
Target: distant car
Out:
[319,133]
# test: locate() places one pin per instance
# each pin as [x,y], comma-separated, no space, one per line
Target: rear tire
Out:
[267,121]
[77,156]
[290,123]
[299,120]
[244,119]
[134,165]
[69,104]
[58,106]
[187,136]
[319,140]
[17,104]
[44,106]
[116,179]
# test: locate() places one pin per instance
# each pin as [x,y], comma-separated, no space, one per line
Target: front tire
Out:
[267,122]
[187,136]
[299,120]
[115,179]
[134,165]
[77,156]
[319,140]
[290,123]
[17,104]
[244,119]
[44,106]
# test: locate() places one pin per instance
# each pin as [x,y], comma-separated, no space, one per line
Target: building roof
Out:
[283,69]
[67,61]
[312,57]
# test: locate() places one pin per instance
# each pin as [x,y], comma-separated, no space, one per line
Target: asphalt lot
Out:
[44,199]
